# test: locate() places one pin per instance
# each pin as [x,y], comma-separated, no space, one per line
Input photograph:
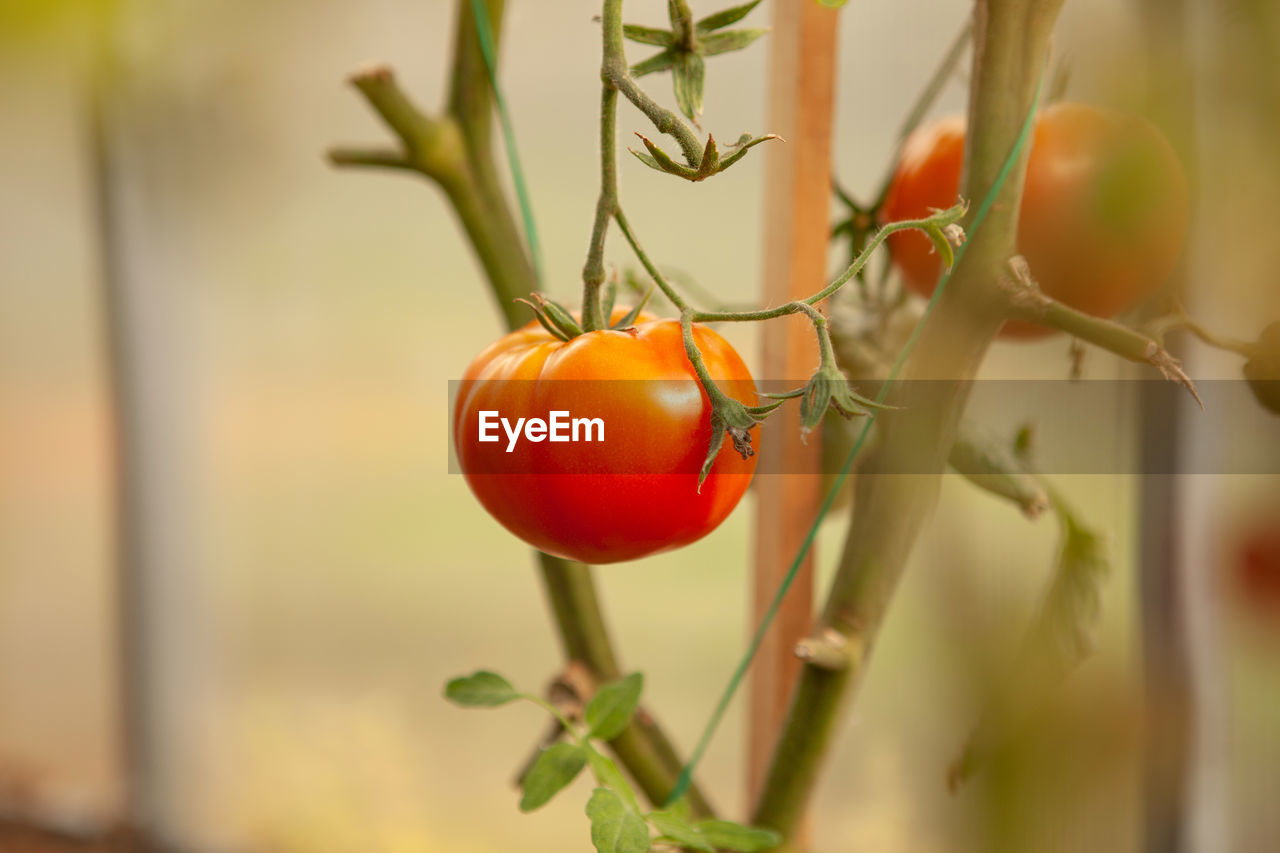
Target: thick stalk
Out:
[1011,46]
[454,151]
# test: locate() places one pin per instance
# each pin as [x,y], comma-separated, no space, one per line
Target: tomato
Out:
[1104,208]
[634,492]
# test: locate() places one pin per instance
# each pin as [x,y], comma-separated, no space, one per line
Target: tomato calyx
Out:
[829,389]
[561,324]
[735,419]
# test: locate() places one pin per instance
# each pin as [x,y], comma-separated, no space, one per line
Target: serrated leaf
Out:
[727,42]
[648,35]
[555,767]
[689,74]
[657,62]
[726,17]
[676,829]
[610,710]
[615,828]
[481,689]
[734,836]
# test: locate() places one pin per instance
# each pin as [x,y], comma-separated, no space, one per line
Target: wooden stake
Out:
[797,229]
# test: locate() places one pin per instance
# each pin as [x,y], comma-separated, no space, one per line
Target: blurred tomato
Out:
[1104,208]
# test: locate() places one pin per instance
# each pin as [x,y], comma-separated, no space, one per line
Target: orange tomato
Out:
[632,493]
[1104,208]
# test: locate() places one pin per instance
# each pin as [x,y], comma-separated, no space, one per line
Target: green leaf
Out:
[648,35]
[689,73]
[657,62]
[832,4]
[675,828]
[610,709]
[727,42]
[609,776]
[482,689]
[555,767]
[615,828]
[734,836]
[726,17]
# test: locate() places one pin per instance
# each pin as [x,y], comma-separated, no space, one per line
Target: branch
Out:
[454,152]
[1011,45]
[1029,303]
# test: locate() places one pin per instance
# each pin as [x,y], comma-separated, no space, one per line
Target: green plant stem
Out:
[1011,45]
[615,78]
[1032,306]
[454,151]
[613,54]
[805,306]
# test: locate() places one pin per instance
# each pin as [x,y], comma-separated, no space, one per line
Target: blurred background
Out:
[311,573]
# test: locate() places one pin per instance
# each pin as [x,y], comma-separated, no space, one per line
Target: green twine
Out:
[485,35]
[686,774]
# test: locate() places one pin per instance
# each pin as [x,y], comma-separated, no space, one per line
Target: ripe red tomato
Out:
[1104,208]
[635,492]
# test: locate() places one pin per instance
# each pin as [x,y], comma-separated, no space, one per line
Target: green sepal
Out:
[628,320]
[648,35]
[610,297]
[558,316]
[660,160]
[735,419]
[552,771]
[944,231]
[543,321]
[658,62]
[725,17]
[711,163]
[727,42]
[744,144]
[481,689]
[710,159]
[688,75]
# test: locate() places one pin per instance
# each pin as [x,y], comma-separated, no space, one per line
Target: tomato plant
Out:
[635,492]
[1104,208]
